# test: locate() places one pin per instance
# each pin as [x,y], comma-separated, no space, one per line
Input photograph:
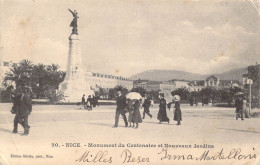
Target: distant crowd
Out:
[91,102]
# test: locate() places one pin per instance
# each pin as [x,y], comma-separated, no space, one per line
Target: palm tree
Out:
[53,67]
[14,75]
[39,79]
[26,65]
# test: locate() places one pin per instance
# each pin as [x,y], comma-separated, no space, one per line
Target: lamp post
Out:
[249,82]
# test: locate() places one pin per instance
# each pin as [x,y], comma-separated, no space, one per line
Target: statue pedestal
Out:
[75,84]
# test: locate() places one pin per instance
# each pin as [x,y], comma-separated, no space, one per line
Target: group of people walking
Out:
[133,106]
[90,103]
[162,114]
[22,107]
[241,107]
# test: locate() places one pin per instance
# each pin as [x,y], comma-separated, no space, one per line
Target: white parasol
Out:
[133,96]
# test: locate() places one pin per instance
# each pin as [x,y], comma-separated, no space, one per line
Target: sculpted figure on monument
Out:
[74,21]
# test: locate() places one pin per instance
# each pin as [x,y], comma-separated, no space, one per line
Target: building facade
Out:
[98,80]
[254,74]
[154,85]
[213,82]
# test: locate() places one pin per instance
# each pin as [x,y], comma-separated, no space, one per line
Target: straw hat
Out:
[176,98]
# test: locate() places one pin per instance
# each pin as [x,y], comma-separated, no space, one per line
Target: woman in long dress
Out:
[177,113]
[136,113]
[162,115]
[130,109]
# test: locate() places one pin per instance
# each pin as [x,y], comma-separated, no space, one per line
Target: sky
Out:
[125,37]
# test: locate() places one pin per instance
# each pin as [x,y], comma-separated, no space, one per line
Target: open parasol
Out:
[133,96]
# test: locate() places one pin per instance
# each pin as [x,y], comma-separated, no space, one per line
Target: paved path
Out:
[60,124]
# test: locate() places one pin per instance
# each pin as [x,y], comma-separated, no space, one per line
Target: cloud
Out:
[201,37]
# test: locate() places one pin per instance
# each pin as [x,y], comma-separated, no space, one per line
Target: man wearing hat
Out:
[120,108]
[83,101]
[146,105]
[26,108]
[177,112]
[16,98]
[239,107]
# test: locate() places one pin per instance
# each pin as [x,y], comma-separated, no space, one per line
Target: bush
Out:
[55,97]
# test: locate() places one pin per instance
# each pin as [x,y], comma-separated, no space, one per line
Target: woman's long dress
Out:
[136,114]
[177,112]
[162,115]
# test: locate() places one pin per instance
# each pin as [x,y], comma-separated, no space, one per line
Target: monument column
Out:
[75,84]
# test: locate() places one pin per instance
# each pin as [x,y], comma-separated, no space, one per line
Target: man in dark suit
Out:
[239,107]
[25,109]
[146,105]
[16,98]
[83,101]
[120,109]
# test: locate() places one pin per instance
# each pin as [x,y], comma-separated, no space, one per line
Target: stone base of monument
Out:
[73,90]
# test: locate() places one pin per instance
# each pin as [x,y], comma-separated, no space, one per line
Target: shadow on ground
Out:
[239,130]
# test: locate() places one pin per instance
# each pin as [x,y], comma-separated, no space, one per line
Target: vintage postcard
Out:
[129,82]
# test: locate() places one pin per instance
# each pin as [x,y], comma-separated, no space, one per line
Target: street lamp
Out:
[249,82]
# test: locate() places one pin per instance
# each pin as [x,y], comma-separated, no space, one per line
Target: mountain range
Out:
[165,75]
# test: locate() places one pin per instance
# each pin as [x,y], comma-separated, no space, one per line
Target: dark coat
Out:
[162,115]
[16,103]
[177,112]
[130,109]
[25,106]
[121,104]
[136,114]
[147,103]
[83,100]
[239,105]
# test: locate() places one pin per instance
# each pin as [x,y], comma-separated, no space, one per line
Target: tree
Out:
[140,90]
[102,92]
[39,77]
[182,92]
[39,73]
[54,77]
[154,95]
[20,74]
[210,94]
[113,91]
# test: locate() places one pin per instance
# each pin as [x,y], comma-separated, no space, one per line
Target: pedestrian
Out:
[162,115]
[177,111]
[130,109]
[16,98]
[239,107]
[245,108]
[25,109]
[96,100]
[146,105]
[152,102]
[136,114]
[120,109]
[191,101]
[83,101]
[89,103]
[196,101]
[93,103]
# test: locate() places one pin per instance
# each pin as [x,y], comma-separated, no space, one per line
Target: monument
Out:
[75,85]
